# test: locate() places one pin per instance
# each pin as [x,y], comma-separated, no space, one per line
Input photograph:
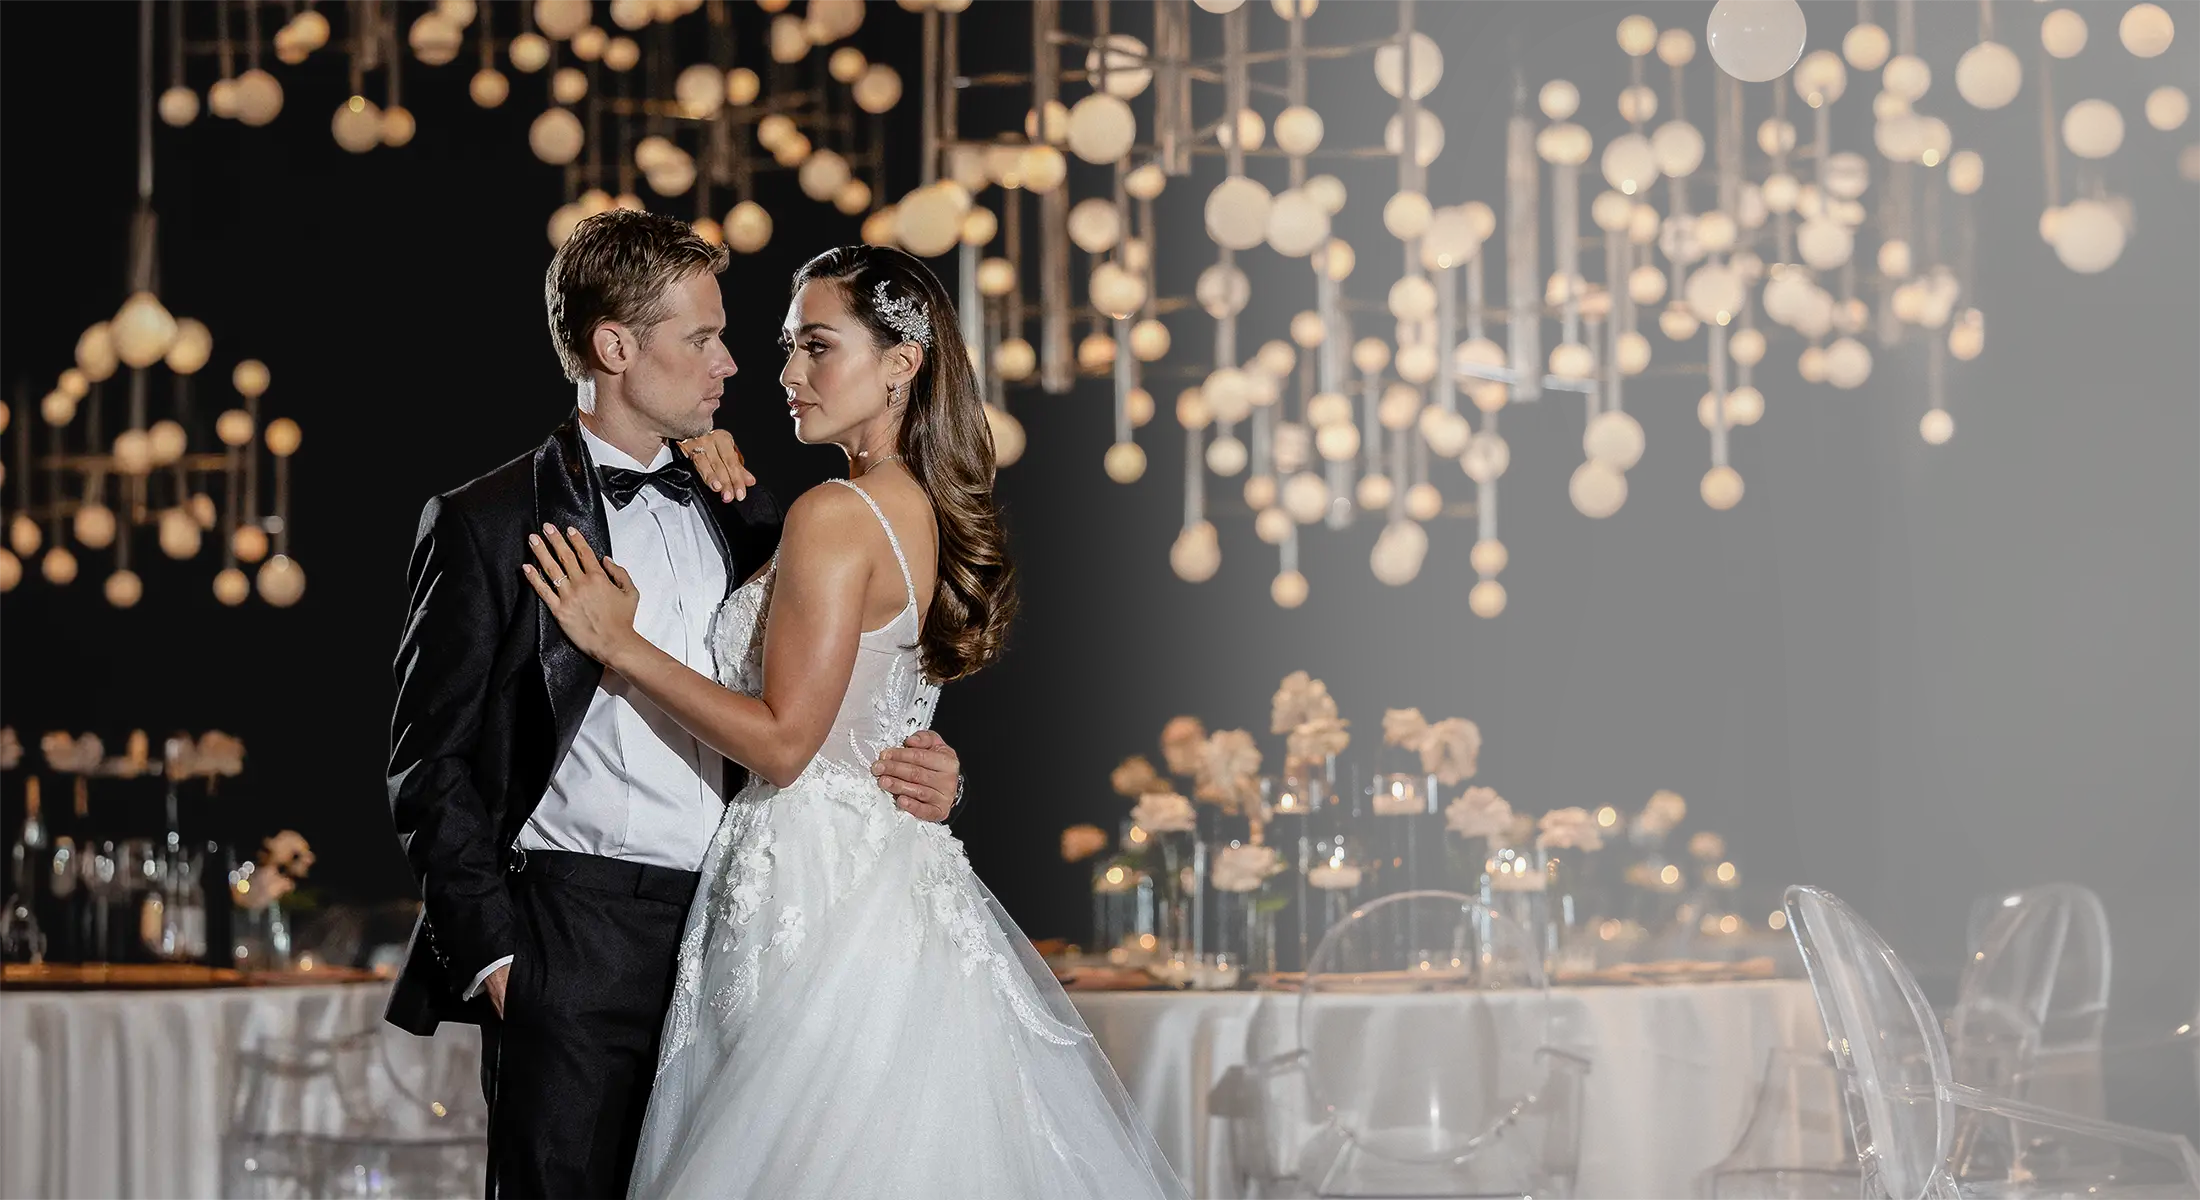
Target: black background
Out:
[1911,674]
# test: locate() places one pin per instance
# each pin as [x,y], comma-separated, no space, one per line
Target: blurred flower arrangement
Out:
[1480,812]
[284,862]
[1286,838]
[215,755]
[1450,749]
[1080,842]
[73,755]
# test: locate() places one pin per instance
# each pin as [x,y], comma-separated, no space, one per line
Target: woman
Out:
[855,1015]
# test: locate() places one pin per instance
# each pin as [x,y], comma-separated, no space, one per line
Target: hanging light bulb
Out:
[2089,237]
[1866,46]
[1629,163]
[1101,128]
[2093,129]
[2063,33]
[1427,66]
[1597,489]
[1722,488]
[1989,75]
[2167,107]
[1755,40]
[179,106]
[879,89]
[142,330]
[1615,439]
[2146,30]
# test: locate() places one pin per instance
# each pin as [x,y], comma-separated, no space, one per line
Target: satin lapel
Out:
[714,520]
[567,495]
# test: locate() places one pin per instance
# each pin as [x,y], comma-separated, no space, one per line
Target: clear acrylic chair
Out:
[1903,1099]
[1796,1144]
[368,1114]
[1423,1031]
[1267,1112]
[2028,1020]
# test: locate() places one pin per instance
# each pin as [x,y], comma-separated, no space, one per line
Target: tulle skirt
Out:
[858,1017]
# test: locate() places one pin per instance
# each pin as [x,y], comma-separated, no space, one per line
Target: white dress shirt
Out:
[635,785]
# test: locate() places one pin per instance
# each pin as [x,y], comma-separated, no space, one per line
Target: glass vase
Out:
[1122,910]
[1177,909]
[1293,802]
[1334,878]
[1404,833]
[1219,831]
[1515,884]
[261,938]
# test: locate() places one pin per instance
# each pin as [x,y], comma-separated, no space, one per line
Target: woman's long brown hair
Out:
[948,448]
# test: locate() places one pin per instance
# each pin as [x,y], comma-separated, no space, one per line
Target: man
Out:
[555,818]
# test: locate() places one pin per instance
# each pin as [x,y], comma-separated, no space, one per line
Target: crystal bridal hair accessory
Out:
[904,315]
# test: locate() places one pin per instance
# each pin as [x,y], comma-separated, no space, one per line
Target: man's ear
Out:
[613,347]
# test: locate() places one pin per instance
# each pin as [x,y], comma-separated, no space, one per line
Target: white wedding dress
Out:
[854,1015]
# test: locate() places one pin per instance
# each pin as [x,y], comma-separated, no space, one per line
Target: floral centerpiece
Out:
[1567,835]
[1655,882]
[259,889]
[214,755]
[1474,824]
[72,755]
[1183,742]
[1228,773]
[1245,921]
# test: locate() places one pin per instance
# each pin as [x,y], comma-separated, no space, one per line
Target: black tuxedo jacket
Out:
[490,694]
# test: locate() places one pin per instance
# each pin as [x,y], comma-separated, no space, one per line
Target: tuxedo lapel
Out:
[747,532]
[567,495]
[708,500]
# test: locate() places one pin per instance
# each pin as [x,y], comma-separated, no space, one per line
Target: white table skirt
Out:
[1673,1073]
[115,1094]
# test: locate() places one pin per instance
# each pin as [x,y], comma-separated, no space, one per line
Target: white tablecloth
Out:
[1673,1072]
[113,1094]
[127,1093]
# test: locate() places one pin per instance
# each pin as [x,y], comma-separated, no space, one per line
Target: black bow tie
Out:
[675,480]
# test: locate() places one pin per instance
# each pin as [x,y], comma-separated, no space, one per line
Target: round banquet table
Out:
[127,1093]
[1673,1071]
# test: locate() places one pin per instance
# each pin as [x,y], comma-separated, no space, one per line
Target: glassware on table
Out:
[1402,827]
[1295,803]
[259,927]
[105,886]
[1124,923]
[1212,951]
[21,938]
[1251,882]
[1515,883]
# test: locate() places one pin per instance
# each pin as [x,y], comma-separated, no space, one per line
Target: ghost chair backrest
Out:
[1904,1101]
[2033,1002]
[2042,955]
[1425,1023]
[1884,1036]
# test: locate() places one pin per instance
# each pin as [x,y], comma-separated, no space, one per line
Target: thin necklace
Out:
[875,464]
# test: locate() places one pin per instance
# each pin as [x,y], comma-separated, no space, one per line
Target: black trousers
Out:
[568,1069]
